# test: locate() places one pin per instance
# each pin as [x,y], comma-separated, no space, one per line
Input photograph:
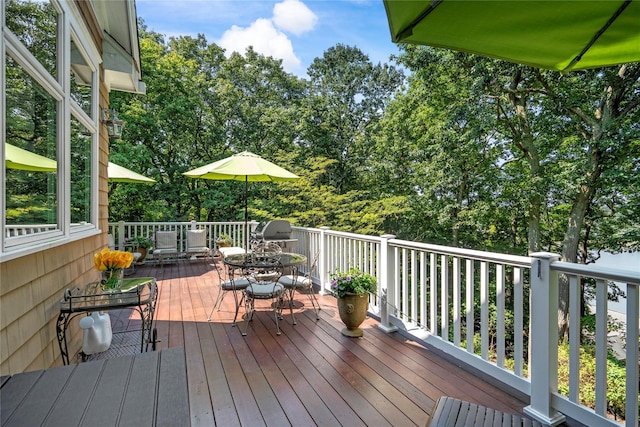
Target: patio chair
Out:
[266,249]
[268,289]
[235,285]
[166,245]
[294,283]
[197,244]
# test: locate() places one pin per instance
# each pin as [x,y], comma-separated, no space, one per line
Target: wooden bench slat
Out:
[452,412]
[465,407]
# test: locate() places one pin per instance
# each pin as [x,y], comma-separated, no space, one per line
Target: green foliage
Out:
[224,239]
[473,152]
[615,379]
[140,242]
[353,281]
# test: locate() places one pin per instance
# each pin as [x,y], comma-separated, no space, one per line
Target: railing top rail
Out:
[605,273]
[114,224]
[364,238]
[515,260]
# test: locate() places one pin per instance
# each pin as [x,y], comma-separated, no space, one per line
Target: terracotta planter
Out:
[143,254]
[353,311]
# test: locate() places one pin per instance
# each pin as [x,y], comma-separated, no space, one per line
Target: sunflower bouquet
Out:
[111,264]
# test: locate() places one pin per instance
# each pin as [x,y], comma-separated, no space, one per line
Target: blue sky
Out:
[296,31]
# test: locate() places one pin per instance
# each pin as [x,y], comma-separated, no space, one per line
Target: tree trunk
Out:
[570,254]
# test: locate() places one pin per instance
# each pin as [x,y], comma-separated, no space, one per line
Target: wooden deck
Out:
[309,375]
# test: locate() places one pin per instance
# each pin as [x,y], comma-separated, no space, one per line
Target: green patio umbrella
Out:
[556,35]
[245,166]
[117,173]
[18,158]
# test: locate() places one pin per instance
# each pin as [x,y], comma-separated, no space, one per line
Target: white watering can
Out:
[97,332]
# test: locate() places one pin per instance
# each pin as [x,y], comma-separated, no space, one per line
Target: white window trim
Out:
[70,26]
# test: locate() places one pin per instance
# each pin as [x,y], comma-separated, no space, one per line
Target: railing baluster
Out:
[469,303]
[415,300]
[444,297]
[433,288]
[518,324]
[500,307]
[456,301]
[424,314]
[601,347]
[484,310]
[403,272]
[574,338]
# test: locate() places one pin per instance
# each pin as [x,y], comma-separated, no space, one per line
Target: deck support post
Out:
[386,289]
[322,262]
[543,348]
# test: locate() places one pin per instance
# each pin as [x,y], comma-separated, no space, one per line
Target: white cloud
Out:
[267,35]
[265,39]
[294,16]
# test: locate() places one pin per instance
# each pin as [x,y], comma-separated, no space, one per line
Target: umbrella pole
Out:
[246,216]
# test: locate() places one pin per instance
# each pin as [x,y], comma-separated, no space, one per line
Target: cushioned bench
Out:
[454,412]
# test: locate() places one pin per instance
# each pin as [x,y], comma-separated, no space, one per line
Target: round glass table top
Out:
[264,259]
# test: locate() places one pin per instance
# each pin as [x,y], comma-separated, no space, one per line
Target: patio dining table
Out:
[247,261]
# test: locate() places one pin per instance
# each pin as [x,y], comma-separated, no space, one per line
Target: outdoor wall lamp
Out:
[114,125]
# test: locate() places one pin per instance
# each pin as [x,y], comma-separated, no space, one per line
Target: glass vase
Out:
[112,279]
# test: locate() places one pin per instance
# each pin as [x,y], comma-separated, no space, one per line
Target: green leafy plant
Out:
[353,281]
[224,239]
[140,242]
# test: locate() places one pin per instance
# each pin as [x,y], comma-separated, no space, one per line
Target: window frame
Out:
[69,27]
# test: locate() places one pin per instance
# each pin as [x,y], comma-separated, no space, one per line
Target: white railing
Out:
[26,229]
[433,292]
[123,231]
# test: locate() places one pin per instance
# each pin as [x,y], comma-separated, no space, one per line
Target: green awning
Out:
[556,35]
[18,158]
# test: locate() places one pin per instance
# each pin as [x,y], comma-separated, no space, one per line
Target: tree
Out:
[347,96]
[559,136]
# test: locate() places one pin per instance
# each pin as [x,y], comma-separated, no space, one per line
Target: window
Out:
[80,174]
[35,25]
[50,125]
[31,201]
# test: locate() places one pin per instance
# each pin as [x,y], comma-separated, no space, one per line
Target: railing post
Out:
[322,261]
[120,241]
[543,349]
[386,275]
[194,224]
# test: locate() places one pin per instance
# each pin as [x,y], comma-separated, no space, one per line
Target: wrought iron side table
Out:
[140,293]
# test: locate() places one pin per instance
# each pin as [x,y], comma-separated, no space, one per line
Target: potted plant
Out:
[352,288]
[224,241]
[141,245]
